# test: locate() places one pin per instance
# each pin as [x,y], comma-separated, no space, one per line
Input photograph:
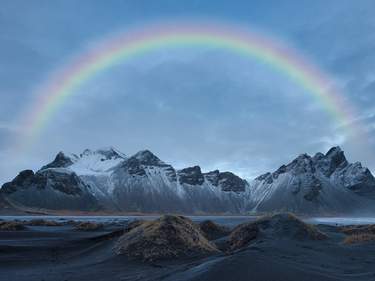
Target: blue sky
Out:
[189,106]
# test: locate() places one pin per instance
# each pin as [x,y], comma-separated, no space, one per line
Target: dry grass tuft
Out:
[358,233]
[133,224]
[358,229]
[283,225]
[42,222]
[87,226]
[11,226]
[359,238]
[164,238]
[242,235]
[213,231]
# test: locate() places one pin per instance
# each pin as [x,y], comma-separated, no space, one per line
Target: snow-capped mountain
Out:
[140,183]
[54,188]
[106,179]
[88,162]
[319,184]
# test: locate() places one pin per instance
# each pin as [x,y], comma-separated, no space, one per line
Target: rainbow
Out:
[64,83]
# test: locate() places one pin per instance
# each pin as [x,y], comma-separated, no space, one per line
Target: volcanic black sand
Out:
[279,248]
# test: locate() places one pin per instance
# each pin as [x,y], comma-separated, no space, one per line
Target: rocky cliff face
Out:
[51,188]
[107,179]
[144,183]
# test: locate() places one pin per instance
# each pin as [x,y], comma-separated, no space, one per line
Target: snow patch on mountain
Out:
[97,162]
[89,162]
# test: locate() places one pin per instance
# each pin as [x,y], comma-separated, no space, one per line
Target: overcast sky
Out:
[188,106]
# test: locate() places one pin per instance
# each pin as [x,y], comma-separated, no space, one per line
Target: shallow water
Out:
[342,220]
[224,220]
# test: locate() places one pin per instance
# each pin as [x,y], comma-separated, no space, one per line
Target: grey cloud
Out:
[190,107]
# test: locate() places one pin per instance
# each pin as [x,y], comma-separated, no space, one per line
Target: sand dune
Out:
[62,252]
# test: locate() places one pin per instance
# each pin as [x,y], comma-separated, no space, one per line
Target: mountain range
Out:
[108,180]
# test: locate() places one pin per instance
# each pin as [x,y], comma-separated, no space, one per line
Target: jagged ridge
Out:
[107,179]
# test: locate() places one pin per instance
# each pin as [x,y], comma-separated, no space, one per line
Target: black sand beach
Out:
[46,253]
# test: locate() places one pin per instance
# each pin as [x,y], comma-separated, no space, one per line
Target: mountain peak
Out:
[61,161]
[336,154]
[335,158]
[334,150]
[191,175]
[107,152]
[146,157]
[111,152]
[105,178]
[231,182]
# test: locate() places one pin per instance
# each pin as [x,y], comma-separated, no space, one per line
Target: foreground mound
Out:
[11,226]
[87,226]
[212,230]
[358,229]
[359,238]
[133,224]
[276,227]
[164,238]
[42,222]
[359,233]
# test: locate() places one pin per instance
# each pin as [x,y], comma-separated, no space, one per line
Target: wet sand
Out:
[63,253]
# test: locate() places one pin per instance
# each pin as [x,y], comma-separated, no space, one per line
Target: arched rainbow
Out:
[129,44]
